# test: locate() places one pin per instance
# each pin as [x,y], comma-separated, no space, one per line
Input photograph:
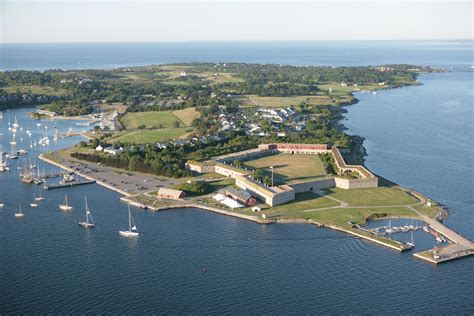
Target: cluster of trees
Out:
[195,188]
[24,77]
[70,108]
[168,162]
[261,176]
[19,99]
[328,164]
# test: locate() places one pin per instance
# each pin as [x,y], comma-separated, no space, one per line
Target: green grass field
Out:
[289,168]
[341,217]
[381,196]
[279,102]
[150,119]
[150,136]
[187,115]
[303,201]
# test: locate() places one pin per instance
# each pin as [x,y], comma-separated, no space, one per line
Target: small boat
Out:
[13,142]
[65,206]
[68,178]
[2,205]
[89,223]
[34,204]
[39,197]
[19,214]
[132,230]
[21,152]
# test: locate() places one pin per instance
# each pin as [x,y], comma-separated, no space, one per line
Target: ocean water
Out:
[192,261]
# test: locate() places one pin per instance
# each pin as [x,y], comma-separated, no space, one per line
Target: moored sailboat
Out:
[19,214]
[132,230]
[39,197]
[89,223]
[65,206]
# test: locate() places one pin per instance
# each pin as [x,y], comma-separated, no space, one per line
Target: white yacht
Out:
[89,223]
[132,230]
[19,214]
[65,206]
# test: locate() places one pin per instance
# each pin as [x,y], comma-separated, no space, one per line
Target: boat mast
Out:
[87,211]
[129,219]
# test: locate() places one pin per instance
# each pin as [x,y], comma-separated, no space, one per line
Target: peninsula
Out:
[259,142]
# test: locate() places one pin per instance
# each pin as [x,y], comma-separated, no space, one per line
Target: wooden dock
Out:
[67,184]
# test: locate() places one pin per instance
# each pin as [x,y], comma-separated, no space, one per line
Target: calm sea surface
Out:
[191,261]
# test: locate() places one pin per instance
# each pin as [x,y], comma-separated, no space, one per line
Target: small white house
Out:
[99,148]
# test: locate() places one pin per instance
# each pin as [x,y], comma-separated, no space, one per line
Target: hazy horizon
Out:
[143,21]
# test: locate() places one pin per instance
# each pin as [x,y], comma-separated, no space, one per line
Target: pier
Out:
[67,184]
[459,248]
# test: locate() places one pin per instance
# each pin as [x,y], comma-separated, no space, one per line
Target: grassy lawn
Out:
[342,217]
[51,155]
[279,102]
[187,115]
[290,168]
[150,136]
[150,119]
[303,201]
[217,185]
[381,196]
[430,211]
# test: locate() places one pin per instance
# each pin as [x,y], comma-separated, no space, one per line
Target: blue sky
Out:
[194,20]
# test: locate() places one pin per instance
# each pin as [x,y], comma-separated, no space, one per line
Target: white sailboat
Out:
[39,197]
[132,230]
[12,154]
[65,206]
[13,142]
[3,164]
[34,204]
[19,214]
[89,223]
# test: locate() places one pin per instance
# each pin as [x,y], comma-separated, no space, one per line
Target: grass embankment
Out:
[346,217]
[52,155]
[289,168]
[381,196]
[303,201]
